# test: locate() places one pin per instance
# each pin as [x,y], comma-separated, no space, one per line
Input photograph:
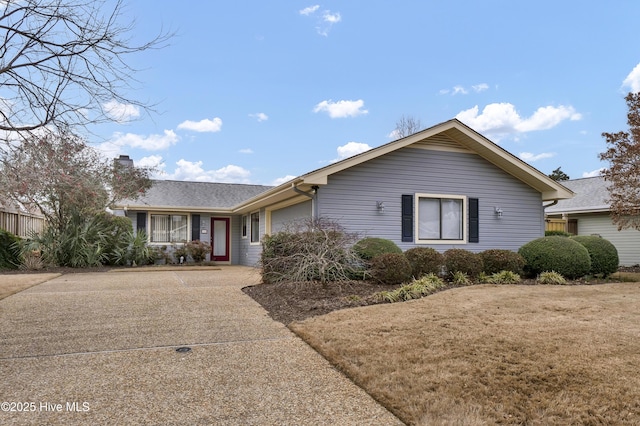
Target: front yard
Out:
[489,354]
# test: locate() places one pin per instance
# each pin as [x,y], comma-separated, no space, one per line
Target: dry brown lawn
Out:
[14,283]
[494,354]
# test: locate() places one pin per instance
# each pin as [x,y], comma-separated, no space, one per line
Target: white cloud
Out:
[331,18]
[260,116]
[205,125]
[325,21]
[350,149]
[309,10]
[501,119]
[530,157]
[459,90]
[193,171]
[548,117]
[633,80]
[480,87]
[281,180]
[593,173]
[155,162]
[395,134]
[121,112]
[246,151]
[341,109]
[154,142]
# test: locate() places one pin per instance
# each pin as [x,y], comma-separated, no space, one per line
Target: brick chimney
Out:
[125,161]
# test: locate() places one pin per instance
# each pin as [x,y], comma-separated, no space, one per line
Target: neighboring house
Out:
[444,187]
[588,214]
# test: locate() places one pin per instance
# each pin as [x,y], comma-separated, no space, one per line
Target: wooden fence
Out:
[21,224]
[556,225]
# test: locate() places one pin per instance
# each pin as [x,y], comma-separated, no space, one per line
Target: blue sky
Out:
[259,92]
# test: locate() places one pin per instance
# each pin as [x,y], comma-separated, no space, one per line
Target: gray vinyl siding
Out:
[250,253]
[626,241]
[351,196]
[282,217]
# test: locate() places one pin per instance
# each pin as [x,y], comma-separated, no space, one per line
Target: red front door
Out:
[220,239]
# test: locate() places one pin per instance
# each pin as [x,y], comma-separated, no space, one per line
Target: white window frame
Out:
[244,226]
[169,214]
[465,219]
[251,240]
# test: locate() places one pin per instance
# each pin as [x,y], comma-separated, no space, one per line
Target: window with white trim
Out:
[168,228]
[244,225]
[255,227]
[440,218]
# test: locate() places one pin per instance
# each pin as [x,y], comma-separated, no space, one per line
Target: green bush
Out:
[504,277]
[496,260]
[551,277]
[556,233]
[460,260]
[603,254]
[180,251]
[9,250]
[390,268]
[198,250]
[555,253]
[424,260]
[368,248]
[416,289]
[460,278]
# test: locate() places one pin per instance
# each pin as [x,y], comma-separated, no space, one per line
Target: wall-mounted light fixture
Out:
[499,212]
[380,205]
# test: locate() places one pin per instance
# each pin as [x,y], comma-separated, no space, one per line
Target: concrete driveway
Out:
[100,348]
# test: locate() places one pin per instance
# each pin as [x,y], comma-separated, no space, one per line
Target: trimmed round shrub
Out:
[563,255]
[424,261]
[9,250]
[390,268]
[460,260]
[368,248]
[496,260]
[603,254]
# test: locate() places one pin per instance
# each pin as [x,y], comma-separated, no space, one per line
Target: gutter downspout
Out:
[553,203]
[314,198]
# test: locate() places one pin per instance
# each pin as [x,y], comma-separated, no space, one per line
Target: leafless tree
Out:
[623,174]
[63,61]
[406,125]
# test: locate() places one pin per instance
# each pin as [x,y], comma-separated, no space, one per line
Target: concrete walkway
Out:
[100,348]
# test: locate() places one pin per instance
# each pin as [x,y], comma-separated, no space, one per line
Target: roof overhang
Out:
[276,195]
[171,209]
[579,210]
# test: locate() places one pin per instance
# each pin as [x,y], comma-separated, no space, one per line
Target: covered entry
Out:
[220,230]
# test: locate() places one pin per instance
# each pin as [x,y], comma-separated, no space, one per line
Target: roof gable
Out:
[451,135]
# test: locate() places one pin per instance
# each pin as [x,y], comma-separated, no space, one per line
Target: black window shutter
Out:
[474,221]
[195,227]
[141,222]
[407,218]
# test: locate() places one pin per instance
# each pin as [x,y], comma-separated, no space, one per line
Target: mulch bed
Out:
[288,302]
[296,301]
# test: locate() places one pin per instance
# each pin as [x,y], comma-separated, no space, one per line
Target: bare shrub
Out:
[310,250]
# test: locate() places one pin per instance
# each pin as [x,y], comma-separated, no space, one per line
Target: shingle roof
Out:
[591,195]
[207,195]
